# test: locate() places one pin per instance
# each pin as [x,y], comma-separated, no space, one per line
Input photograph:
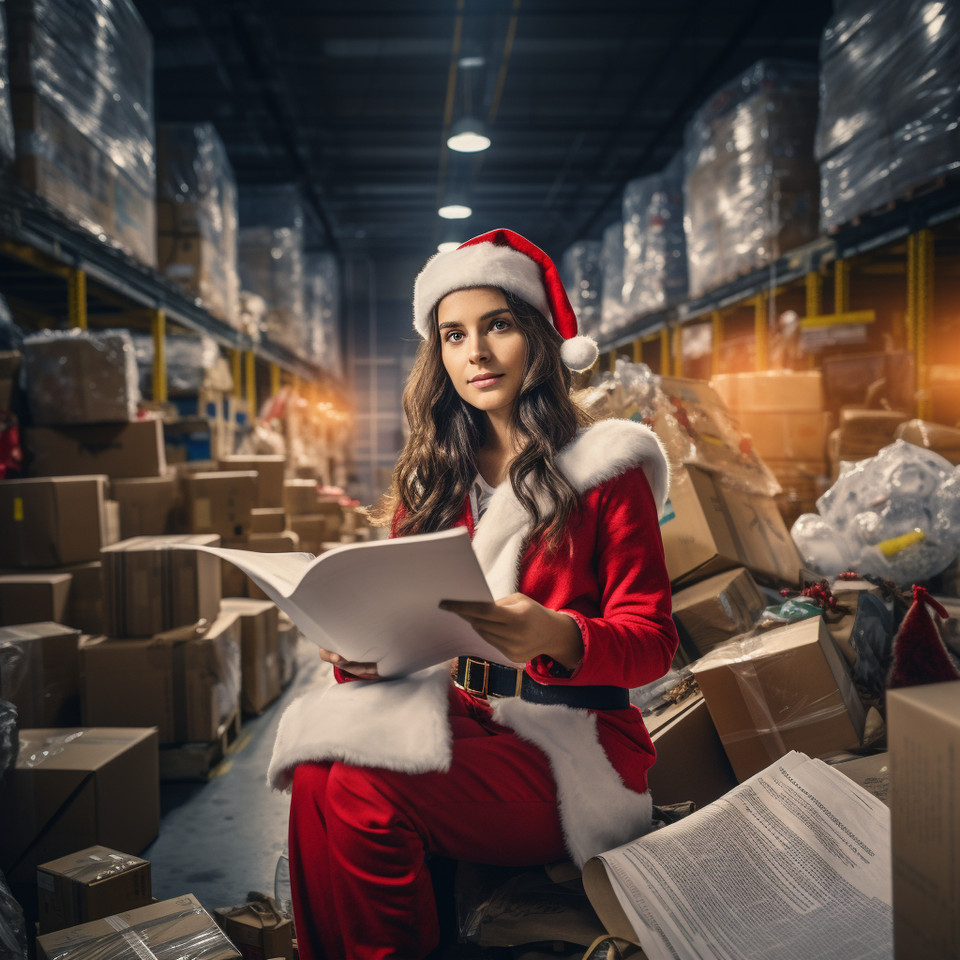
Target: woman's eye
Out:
[454,336]
[501,324]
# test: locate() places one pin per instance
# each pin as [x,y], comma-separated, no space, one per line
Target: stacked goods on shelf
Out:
[889,98]
[750,185]
[314,523]
[6,112]
[582,271]
[655,248]
[270,261]
[613,316]
[84,119]
[321,308]
[197,216]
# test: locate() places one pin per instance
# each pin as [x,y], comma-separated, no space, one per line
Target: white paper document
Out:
[793,864]
[378,601]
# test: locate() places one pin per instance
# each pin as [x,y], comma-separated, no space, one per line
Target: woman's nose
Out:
[478,350]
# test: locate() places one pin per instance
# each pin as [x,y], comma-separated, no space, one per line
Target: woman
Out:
[511,767]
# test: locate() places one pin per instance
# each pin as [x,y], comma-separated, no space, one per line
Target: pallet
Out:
[199,761]
[921,191]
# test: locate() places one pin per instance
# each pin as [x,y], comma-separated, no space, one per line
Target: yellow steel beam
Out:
[638,351]
[839,319]
[236,364]
[716,323]
[924,315]
[814,285]
[159,325]
[841,286]
[77,297]
[251,385]
[910,320]
[760,330]
[612,360]
[664,352]
[678,350]
[34,258]
[274,379]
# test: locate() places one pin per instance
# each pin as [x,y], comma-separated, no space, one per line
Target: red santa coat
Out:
[612,581]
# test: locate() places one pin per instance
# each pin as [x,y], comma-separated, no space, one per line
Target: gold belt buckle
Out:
[482,691]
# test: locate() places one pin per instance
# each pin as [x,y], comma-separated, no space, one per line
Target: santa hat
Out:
[919,654]
[504,259]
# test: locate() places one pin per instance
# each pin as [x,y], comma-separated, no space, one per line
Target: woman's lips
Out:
[486,381]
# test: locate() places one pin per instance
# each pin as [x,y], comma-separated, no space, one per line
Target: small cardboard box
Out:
[40,673]
[151,587]
[716,609]
[90,884]
[863,433]
[119,450]
[220,502]
[258,932]
[923,726]
[311,529]
[33,597]
[787,434]
[301,496]
[270,473]
[708,527]
[52,521]
[787,689]
[171,928]
[185,683]
[268,520]
[86,606]
[76,787]
[260,658]
[147,505]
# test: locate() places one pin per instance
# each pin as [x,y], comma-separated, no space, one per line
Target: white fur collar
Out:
[599,453]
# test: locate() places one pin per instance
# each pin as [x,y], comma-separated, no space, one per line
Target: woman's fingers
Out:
[364,671]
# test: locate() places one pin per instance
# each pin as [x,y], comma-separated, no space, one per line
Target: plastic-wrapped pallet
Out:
[6,112]
[750,184]
[321,308]
[270,258]
[655,249]
[583,279]
[613,316]
[889,101]
[190,362]
[197,216]
[82,79]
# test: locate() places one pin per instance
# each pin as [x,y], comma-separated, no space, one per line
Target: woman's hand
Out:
[362,671]
[521,629]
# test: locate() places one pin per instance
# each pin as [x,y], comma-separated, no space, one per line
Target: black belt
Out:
[484,679]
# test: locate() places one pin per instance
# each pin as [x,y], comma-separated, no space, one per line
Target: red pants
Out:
[358,839]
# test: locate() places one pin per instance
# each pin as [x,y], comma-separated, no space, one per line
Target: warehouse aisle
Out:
[221,839]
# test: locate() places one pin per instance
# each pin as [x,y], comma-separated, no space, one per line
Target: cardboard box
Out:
[268,520]
[86,605]
[943,382]
[184,682]
[709,527]
[40,673]
[171,928]
[716,609]
[288,636]
[270,474]
[10,361]
[151,587]
[260,656]
[787,689]
[311,529]
[49,522]
[147,505]
[220,502]
[931,436]
[771,390]
[258,932]
[300,496]
[786,434]
[691,762]
[34,597]
[923,725]
[863,433]
[90,884]
[76,787]
[117,450]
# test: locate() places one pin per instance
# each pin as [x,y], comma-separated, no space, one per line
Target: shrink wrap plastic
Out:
[197,216]
[613,316]
[270,257]
[896,516]
[189,360]
[321,306]
[6,111]
[889,102]
[582,271]
[750,184]
[655,248]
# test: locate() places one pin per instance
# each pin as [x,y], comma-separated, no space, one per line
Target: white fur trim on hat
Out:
[479,265]
[579,353]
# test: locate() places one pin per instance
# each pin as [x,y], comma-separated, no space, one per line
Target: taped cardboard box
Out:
[270,474]
[923,725]
[151,586]
[40,673]
[787,689]
[147,505]
[178,928]
[34,597]
[90,884]
[708,527]
[219,502]
[260,656]
[76,787]
[53,521]
[184,682]
[268,520]
[258,930]
[118,450]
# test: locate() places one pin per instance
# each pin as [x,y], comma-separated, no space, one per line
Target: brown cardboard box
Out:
[147,504]
[708,527]
[40,673]
[197,265]
[771,390]
[220,502]
[49,522]
[238,583]
[270,473]
[260,657]
[184,682]
[151,587]
[923,726]
[117,450]
[863,433]
[268,520]
[10,362]
[257,931]
[170,928]
[943,382]
[300,496]
[90,884]
[716,609]
[787,689]
[33,597]
[76,787]
[691,762]
[786,434]
[311,529]
[86,606]
[931,436]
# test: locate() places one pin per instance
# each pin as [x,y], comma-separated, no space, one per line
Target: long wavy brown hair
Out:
[439,460]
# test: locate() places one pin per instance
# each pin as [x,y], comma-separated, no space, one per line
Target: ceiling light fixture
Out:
[447,246]
[455,211]
[468,135]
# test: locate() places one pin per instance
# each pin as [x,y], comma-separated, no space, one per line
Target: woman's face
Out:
[483,351]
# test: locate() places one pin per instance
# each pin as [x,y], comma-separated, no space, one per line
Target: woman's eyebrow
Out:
[489,315]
